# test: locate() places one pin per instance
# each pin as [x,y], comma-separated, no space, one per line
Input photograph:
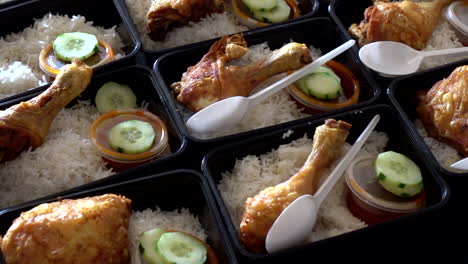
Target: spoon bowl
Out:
[396,59]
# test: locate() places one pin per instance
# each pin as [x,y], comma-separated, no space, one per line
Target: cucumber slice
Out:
[278,14]
[260,5]
[113,96]
[398,174]
[132,137]
[75,45]
[148,246]
[180,248]
[329,71]
[321,85]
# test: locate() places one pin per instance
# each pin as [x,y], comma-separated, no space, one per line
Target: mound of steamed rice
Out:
[180,220]
[444,153]
[19,52]
[251,174]
[66,159]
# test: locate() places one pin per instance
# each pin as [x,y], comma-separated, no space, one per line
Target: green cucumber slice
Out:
[180,248]
[398,174]
[321,85]
[132,137]
[75,45]
[113,96]
[148,246]
[329,71]
[260,5]
[278,14]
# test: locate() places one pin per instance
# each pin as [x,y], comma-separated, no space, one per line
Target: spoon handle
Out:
[277,86]
[343,164]
[444,52]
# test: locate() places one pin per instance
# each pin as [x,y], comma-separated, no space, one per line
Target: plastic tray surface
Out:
[169,191]
[223,159]
[320,33]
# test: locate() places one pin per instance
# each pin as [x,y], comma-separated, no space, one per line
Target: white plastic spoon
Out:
[226,113]
[295,223]
[461,164]
[395,58]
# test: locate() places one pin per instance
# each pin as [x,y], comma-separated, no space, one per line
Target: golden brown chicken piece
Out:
[444,110]
[26,124]
[408,22]
[262,210]
[211,80]
[87,230]
[164,13]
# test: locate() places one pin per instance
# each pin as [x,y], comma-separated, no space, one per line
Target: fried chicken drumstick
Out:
[444,110]
[165,13]
[263,209]
[211,80]
[408,22]
[26,124]
[87,230]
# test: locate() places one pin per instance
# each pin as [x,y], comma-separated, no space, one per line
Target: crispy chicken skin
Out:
[408,22]
[27,124]
[262,210]
[164,13]
[444,110]
[88,230]
[211,80]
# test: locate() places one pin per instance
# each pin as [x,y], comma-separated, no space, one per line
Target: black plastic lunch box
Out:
[222,160]
[345,13]
[321,33]
[311,5]
[18,15]
[403,94]
[168,191]
[142,82]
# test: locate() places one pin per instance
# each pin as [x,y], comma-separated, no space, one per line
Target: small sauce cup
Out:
[120,161]
[245,17]
[312,105]
[369,201]
[51,65]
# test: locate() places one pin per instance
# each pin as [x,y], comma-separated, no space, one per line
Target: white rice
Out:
[212,26]
[19,53]
[252,174]
[444,153]
[180,220]
[66,159]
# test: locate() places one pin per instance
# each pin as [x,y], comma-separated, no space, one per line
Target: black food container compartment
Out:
[356,245]
[321,33]
[169,191]
[345,13]
[403,94]
[142,82]
[104,13]
[310,7]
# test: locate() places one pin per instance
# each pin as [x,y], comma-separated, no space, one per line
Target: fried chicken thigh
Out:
[164,13]
[408,22]
[444,110]
[211,80]
[263,209]
[27,124]
[87,230]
